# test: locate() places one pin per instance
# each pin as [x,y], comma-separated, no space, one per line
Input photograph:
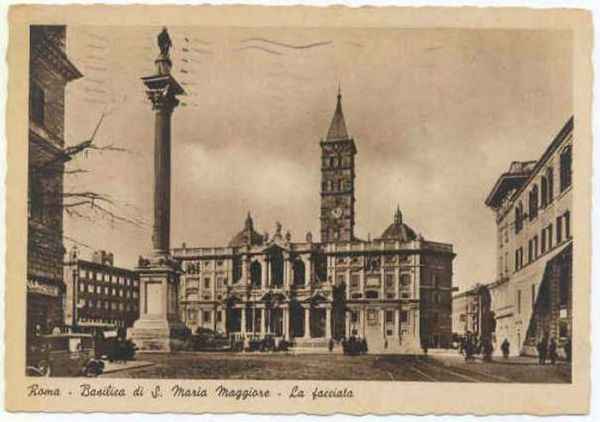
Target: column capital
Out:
[162,102]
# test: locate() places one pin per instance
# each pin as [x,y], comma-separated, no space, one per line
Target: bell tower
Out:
[337,180]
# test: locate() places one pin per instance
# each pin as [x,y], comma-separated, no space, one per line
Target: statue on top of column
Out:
[164,42]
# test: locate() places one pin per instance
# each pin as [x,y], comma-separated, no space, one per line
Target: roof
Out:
[337,128]
[248,236]
[514,178]
[398,230]
[495,197]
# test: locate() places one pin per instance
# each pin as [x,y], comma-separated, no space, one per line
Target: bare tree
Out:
[88,205]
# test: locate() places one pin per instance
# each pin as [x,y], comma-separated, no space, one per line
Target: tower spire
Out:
[337,129]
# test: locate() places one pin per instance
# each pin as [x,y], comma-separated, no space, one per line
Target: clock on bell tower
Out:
[337,181]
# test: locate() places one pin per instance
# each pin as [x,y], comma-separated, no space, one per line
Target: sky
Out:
[437,115]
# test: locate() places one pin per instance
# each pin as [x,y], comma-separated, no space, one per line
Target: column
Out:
[328,322]
[362,281]
[286,272]
[244,270]
[263,274]
[243,320]
[382,316]
[306,322]
[347,321]
[263,321]
[225,330]
[307,271]
[200,317]
[286,322]
[267,273]
[214,319]
[397,313]
[362,329]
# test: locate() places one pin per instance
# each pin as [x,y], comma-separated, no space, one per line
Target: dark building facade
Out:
[98,293]
[49,72]
[394,291]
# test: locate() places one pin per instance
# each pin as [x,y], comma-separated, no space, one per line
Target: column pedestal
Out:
[158,329]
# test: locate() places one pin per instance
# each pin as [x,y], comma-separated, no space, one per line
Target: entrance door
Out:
[374,330]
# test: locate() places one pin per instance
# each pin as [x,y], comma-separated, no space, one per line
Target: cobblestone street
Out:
[446,368]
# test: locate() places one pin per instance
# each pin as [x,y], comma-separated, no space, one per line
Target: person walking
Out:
[552,351]
[505,348]
[542,348]
[567,348]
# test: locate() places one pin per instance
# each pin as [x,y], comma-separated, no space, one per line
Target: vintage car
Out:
[114,346]
[63,355]
[207,340]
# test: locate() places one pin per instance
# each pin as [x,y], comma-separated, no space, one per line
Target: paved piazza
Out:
[447,368]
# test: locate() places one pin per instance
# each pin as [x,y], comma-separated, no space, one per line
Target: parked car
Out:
[62,355]
[207,340]
[114,346]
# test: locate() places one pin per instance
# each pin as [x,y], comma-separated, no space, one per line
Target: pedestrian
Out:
[567,348]
[331,344]
[487,349]
[542,349]
[552,351]
[505,348]
[424,345]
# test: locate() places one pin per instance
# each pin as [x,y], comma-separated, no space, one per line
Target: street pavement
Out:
[273,366]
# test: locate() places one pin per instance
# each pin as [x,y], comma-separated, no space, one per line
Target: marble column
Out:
[307,271]
[306,322]
[286,322]
[347,320]
[263,322]
[159,328]
[244,275]
[243,320]
[328,322]
[263,273]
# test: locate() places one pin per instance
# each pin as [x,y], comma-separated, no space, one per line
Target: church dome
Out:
[248,236]
[398,230]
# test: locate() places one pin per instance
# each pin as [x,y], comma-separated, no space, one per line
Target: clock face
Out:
[337,212]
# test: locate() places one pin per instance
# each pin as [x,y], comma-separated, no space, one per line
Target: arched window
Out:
[255,274]
[565,168]
[533,202]
[519,217]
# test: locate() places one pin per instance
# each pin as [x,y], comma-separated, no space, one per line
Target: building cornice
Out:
[46,50]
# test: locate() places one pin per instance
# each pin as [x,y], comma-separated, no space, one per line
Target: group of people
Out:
[471,345]
[354,345]
[548,349]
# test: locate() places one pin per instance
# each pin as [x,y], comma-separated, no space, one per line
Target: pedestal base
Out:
[157,335]
[159,328]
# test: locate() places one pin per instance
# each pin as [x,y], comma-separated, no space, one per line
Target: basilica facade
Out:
[394,291]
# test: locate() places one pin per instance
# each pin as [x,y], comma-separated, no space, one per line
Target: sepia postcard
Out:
[298,210]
